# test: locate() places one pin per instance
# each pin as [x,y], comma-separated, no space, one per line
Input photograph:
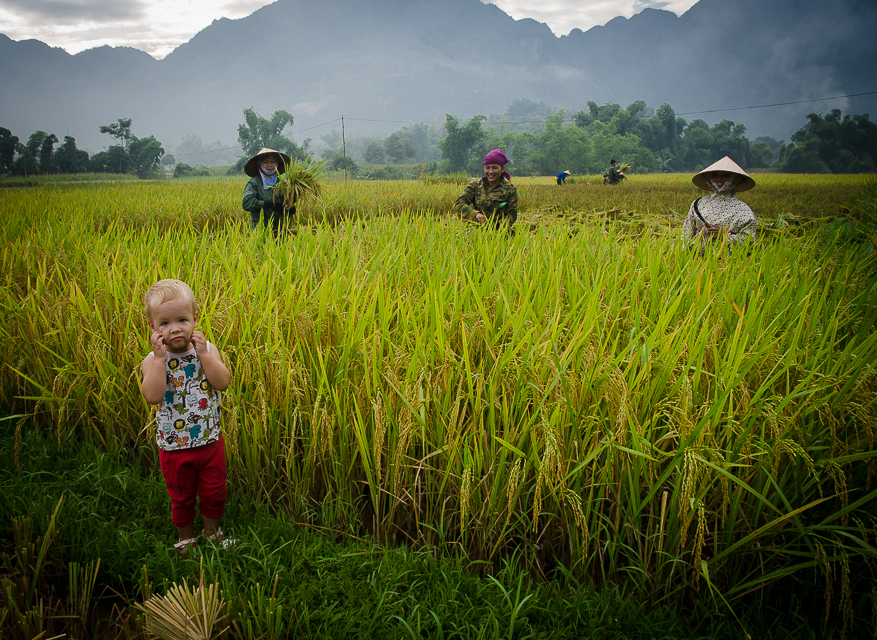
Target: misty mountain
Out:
[413,60]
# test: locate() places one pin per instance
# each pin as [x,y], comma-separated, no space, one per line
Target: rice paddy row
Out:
[601,403]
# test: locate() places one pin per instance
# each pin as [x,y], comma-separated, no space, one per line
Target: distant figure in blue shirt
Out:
[560,177]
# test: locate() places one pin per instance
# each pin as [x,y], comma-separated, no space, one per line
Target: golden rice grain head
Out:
[514,482]
[380,434]
[465,494]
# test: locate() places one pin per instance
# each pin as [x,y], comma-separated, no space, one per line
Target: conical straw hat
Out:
[251,168]
[725,165]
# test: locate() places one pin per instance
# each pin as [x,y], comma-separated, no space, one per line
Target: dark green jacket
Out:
[478,197]
[256,197]
[614,175]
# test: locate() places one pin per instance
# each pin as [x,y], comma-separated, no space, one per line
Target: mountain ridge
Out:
[413,60]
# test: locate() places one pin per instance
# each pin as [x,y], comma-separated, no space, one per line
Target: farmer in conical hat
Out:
[262,196]
[560,178]
[492,199]
[720,213]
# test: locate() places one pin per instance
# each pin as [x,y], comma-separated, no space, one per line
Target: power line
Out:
[319,125]
[408,121]
[196,153]
[686,113]
[778,104]
[570,119]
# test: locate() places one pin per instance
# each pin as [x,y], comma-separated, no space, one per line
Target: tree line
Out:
[831,144]
[537,139]
[659,141]
[38,156]
[542,141]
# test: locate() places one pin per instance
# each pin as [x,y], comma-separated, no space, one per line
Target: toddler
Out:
[184,375]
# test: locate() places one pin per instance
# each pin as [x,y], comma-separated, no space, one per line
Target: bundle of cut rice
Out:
[302,181]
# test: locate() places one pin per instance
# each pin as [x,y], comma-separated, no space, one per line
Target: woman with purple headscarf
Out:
[493,198]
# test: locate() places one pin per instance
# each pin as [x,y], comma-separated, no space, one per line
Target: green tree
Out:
[35,143]
[836,143]
[461,145]
[47,151]
[520,145]
[337,162]
[27,164]
[8,144]
[595,113]
[423,138]
[69,159]
[669,128]
[145,154]
[113,160]
[399,150]
[760,154]
[608,145]
[804,158]
[258,132]
[696,148]
[375,153]
[183,170]
[637,108]
[558,148]
[729,139]
[583,119]
[120,131]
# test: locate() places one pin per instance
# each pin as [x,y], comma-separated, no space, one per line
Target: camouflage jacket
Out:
[499,204]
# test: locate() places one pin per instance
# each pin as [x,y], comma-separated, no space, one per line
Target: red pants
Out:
[188,473]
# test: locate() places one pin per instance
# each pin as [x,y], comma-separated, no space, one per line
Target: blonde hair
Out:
[165,290]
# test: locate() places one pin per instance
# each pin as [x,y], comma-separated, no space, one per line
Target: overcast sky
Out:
[159,26]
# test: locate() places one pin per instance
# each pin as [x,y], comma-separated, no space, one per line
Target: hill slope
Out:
[413,60]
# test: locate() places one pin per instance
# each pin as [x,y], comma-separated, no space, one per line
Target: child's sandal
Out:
[183,546]
[219,539]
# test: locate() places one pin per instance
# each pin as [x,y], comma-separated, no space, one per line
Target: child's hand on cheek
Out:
[200,343]
[157,342]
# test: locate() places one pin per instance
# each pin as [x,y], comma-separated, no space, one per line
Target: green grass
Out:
[315,582]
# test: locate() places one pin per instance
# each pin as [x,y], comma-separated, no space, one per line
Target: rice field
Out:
[587,396]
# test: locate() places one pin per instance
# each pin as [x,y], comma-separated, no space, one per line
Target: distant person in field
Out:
[720,215]
[492,199]
[561,177]
[265,203]
[615,175]
[184,375]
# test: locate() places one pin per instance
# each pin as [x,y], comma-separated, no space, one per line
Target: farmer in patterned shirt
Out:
[720,215]
[492,199]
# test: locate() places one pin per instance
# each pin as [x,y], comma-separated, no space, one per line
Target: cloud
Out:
[159,26]
[61,11]
[154,26]
[562,16]
[240,8]
[676,6]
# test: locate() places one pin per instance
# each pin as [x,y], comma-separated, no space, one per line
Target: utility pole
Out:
[344,148]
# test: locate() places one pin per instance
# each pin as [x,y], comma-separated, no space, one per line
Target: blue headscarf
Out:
[268,179]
